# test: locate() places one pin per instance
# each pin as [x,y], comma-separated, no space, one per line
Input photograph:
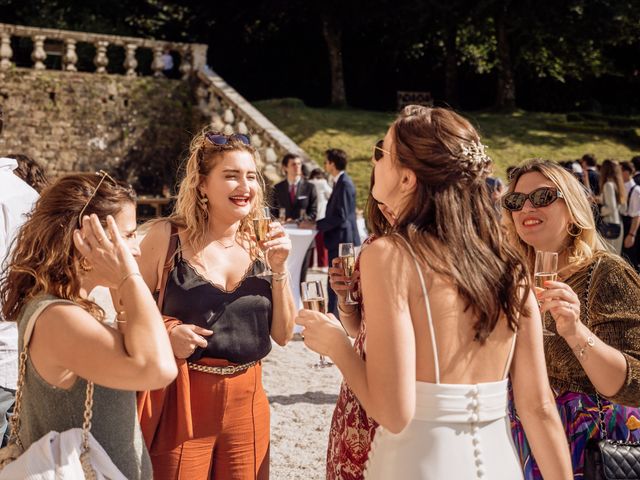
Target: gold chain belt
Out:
[228,370]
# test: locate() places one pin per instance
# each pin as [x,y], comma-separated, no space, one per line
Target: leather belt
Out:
[228,370]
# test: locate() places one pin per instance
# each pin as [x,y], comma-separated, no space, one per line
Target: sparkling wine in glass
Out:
[347,256]
[282,215]
[261,229]
[313,298]
[546,269]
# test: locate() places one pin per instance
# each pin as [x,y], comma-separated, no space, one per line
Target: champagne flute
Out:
[347,256]
[261,229]
[546,269]
[282,215]
[313,299]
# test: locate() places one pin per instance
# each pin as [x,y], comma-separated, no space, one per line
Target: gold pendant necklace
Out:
[225,246]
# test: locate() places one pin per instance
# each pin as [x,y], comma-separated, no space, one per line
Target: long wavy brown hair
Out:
[450,219]
[611,171]
[188,212]
[43,258]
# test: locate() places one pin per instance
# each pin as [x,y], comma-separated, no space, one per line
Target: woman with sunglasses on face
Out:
[444,294]
[352,430]
[594,356]
[51,272]
[224,314]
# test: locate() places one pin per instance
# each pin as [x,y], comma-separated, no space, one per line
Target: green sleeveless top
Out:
[114,423]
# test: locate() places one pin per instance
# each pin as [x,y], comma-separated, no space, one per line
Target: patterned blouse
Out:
[352,430]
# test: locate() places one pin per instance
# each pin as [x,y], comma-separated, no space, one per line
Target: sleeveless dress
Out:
[114,423]
[458,431]
[352,430]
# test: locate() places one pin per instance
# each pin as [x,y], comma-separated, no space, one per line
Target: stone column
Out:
[130,62]
[158,64]
[185,62]
[5,51]
[101,61]
[70,57]
[38,55]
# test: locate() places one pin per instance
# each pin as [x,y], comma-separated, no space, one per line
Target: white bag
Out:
[71,455]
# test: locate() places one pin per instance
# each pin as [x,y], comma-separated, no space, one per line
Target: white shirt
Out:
[334,180]
[324,192]
[633,208]
[16,200]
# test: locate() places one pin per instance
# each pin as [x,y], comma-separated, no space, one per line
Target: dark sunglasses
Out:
[540,197]
[378,151]
[221,139]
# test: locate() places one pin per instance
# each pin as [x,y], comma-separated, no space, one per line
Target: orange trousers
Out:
[230,427]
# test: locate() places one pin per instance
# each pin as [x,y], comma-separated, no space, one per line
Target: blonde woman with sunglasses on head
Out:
[593,360]
[224,314]
[54,266]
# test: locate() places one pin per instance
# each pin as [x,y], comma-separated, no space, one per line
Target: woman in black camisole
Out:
[226,314]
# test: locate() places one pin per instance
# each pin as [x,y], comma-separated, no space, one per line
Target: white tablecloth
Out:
[301,239]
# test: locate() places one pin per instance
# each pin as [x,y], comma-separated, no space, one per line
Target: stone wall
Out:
[138,128]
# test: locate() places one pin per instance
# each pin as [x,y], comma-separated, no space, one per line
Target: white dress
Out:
[458,432]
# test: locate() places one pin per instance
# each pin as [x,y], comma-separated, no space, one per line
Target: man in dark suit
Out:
[339,224]
[295,193]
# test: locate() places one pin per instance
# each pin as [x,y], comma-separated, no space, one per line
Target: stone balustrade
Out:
[227,110]
[231,113]
[192,55]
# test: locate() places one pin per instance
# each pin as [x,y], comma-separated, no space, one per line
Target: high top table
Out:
[301,239]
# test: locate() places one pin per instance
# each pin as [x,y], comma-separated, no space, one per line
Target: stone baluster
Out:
[38,55]
[228,118]
[185,62]
[241,126]
[270,155]
[158,64]
[101,61]
[70,56]
[5,51]
[256,140]
[130,62]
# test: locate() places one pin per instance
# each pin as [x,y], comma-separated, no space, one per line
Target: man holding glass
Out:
[339,224]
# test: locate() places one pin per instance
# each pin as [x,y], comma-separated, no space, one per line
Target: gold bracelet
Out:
[581,351]
[279,277]
[127,277]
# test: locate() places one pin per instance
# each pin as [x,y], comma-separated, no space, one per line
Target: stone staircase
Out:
[222,106]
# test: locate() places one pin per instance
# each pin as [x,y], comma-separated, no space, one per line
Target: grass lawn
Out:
[511,138]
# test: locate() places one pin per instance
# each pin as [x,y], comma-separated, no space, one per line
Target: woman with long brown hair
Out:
[593,358]
[225,313]
[612,197]
[444,296]
[52,270]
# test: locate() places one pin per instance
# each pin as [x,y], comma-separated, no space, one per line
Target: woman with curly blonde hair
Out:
[224,312]
[593,360]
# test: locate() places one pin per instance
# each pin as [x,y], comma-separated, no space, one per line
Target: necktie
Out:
[292,193]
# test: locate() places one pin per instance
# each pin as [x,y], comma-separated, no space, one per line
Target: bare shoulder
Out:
[388,259]
[64,319]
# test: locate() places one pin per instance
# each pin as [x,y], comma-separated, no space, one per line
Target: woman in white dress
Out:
[613,197]
[444,296]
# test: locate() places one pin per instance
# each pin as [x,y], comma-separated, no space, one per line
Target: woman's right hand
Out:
[185,338]
[109,257]
[337,280]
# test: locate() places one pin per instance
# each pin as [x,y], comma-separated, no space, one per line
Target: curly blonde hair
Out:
[586,241]
[189,213]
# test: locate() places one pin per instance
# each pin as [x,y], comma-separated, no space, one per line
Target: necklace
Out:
[225,246]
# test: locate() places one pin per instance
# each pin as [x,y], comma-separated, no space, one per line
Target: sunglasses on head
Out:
[540,197]
[221,139]
[103,175]
[378,151]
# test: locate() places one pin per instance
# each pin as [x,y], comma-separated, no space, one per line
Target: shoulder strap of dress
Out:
[510,357]
[428,308]
[168,263]
[31,322]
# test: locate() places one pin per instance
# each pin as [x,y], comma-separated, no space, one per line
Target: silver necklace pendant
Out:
[225,246]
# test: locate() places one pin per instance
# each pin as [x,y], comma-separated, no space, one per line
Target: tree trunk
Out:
[506,94]
[333,37]
[451,68]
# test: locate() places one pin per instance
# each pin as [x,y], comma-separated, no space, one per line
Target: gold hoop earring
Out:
[571,230]
[203,202]
[84,264]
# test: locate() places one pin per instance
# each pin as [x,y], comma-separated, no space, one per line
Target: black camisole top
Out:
[240,319]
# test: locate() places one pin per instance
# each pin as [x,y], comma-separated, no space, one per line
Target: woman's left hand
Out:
[278,247]
[322,333]
[563,304]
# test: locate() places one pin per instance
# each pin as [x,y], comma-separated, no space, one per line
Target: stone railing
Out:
[230,112]
[227,110]
[63,43]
